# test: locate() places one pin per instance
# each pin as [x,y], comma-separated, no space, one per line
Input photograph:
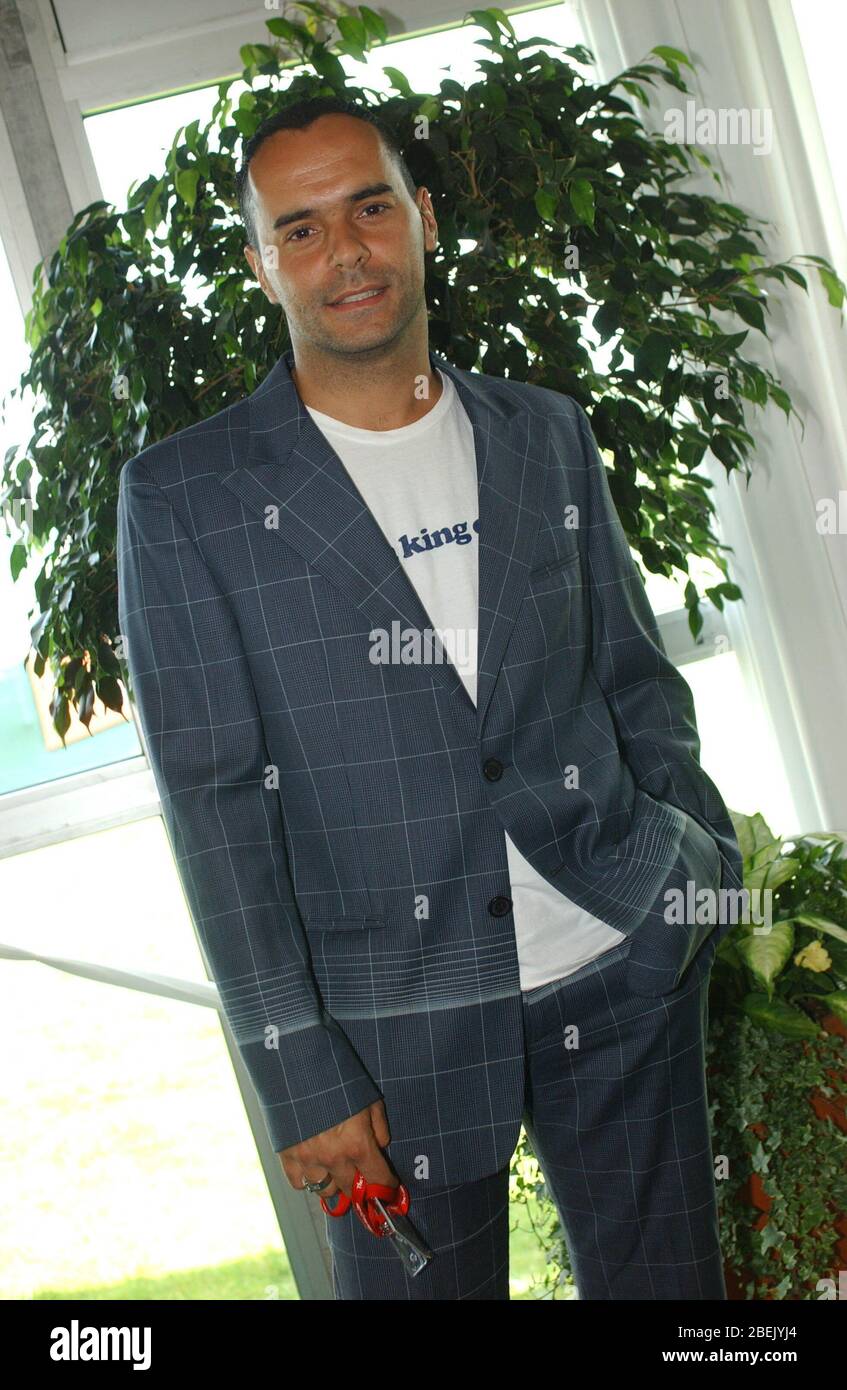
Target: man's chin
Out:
[361,343]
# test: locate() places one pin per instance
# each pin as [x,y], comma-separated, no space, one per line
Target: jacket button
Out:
[493,769]
[498,907]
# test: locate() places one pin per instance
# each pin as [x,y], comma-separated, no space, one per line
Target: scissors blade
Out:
[406,1242]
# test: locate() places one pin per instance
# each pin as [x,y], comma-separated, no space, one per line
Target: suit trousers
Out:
[616,1113]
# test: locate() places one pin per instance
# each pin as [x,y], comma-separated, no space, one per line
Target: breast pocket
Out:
[554,605]
[550,568]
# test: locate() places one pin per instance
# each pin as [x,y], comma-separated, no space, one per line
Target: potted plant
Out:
[777,1068]
[561,220]
[776,1064]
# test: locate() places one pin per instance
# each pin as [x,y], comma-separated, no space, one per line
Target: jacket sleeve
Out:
[206,746]
[651,702]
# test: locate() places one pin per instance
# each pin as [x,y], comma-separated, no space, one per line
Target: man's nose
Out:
[345,247]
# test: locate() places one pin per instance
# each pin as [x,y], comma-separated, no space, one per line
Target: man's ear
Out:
[254,260]
[427,212]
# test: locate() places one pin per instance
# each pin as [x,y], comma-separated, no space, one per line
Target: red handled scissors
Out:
[382,1209]
[395,1200]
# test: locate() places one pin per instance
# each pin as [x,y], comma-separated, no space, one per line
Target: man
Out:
[432,784]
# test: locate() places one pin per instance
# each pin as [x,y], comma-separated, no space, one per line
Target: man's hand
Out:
[355,1143]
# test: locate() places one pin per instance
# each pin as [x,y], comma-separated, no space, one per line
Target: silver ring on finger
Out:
[317,1186]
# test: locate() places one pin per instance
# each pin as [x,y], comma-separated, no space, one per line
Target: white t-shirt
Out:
[420,483]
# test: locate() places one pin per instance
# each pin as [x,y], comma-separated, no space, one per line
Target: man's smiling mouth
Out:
[355,298]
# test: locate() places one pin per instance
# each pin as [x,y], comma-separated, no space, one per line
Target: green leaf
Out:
[754,835]
[109,692]
[723,449]
[794,275]
[374,23]
[503,19]
[781,398]
[486,20]
[328,66]
[17,559]
[246,121]
[496,97]
[750,310]
[767,954]
[546,204]
[822,925]
[152,208]
[61,716]
[779,1017]
[635,89]
[834,286]
[186,183]
[836,1002]
[672,55]
[430,107]
[85,708]
[294,33]
[581,196]
[253,55]
[399,80]
[108,660]
[353,30]
[652,356]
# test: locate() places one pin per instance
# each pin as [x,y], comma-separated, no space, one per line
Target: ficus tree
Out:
[572,253]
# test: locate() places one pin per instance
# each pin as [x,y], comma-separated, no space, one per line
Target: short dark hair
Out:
[297,116]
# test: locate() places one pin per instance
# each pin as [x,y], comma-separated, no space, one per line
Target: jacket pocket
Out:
[342,923]
[552,626]
[553,567]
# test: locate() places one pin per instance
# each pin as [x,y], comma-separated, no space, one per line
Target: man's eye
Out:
[292,236]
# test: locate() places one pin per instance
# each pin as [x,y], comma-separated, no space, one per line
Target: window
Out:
[823,33]
[31,751]
[113,1088]
[130,143]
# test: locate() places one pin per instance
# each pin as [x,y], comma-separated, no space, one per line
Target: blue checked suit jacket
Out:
[337,822]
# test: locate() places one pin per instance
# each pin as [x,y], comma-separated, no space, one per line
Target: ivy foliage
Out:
[780,1162]
[565,228]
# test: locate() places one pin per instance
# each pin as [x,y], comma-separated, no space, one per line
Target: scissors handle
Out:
[395,1199]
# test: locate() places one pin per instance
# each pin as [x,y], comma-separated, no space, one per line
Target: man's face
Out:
[333,217]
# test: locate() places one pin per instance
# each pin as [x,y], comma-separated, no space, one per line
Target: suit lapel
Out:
[292,469]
